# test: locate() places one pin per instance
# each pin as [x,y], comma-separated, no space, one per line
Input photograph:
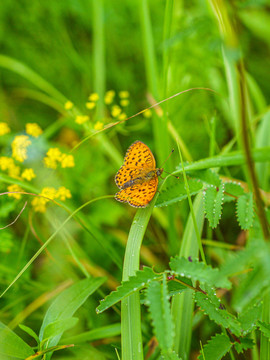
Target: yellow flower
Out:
[108,99]
[49,192]
[90,105]
[81,119]
[116,110]
[19,147]
[98,125]
[122,116]
[6,162]
[28,174]
[147,113]
[13,188]
[33,129]
[50,163]
[93,97]
[14,171]
[4,128]
[38,204]
[63,193]
[68,105]
[123,94]
[53,155]
[67,161]
[124,102]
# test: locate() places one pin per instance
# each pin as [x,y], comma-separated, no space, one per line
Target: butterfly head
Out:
[159,171]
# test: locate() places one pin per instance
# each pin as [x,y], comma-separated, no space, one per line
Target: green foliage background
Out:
[80,47]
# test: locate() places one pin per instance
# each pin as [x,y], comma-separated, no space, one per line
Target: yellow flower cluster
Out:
[98,125]
[123,94]
[109,96]
[68,105]
[39,202]
[13,188]
[93,97]
[28,174]
[54,156]
[81,119]
[8,164]
[19,147]
[33,129]
[90,105]
[4,128]
[124,102]
[116,111]
[147,113]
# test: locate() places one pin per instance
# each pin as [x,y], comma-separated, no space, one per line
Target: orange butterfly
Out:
[137,178]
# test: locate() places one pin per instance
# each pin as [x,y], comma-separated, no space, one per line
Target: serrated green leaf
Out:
[170,356]
[210,304]
[12,345]
[160,312]
[208,176]
[234,188]
[245,211]
[216,348]
[265,328]
[30,332]
[196,270]
[245,344]
[249,317]
[213,201]
[178,192]
[133,284]
[175,287]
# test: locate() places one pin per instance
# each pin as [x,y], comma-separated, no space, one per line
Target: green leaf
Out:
[234,188]
[210,304]
[30,332]
[170,356]
[216,348]
[249,317]
[65,305]
[159,306]
[265,328]
[245,344]
[178,192]
[245,211]
[133,284]
[213,201]
[58,327]
[196,270]
[208,176]
[12,345]
[175,287]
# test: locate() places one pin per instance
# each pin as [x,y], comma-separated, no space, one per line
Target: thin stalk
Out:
[265,344]
[247,152]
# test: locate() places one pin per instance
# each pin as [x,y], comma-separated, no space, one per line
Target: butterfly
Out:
[137,178]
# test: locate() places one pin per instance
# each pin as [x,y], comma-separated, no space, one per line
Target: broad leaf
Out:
[195,270]
[65,305]
[216,348]
[178,192]
[160,312]
[245,211]
[58,327]
[12,345]
[213,201]
[133,284]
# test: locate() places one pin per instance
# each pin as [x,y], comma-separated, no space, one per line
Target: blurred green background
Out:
[81,47]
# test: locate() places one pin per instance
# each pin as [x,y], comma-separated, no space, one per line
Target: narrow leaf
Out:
[30,332]
[12,345]
[58,327]
[65,305]
[133,284]
[178,192]
[159,306]
[195,270]
[213,201]
[245,211]
[216,348]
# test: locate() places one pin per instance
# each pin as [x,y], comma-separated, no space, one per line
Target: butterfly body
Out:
[137,178]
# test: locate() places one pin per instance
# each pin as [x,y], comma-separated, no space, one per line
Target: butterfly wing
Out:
[138,158]
[138,196]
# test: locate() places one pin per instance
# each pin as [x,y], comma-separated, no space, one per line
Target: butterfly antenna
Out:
[177,177]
